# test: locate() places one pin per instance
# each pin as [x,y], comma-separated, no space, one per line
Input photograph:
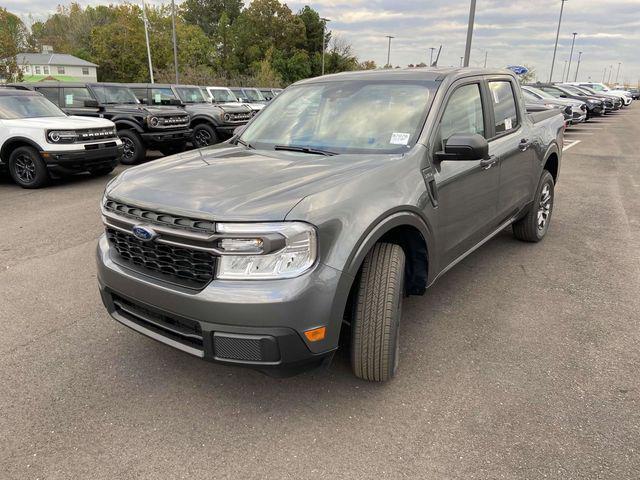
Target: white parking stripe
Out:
[572,144]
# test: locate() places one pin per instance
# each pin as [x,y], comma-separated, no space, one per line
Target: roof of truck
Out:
[420,73]
[12,92]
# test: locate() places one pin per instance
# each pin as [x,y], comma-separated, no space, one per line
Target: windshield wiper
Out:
[295,148]
[244,144]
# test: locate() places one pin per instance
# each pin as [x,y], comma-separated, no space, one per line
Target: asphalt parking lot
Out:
[523,362]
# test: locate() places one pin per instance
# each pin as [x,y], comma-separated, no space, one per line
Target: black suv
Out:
[210,123]
[139,126]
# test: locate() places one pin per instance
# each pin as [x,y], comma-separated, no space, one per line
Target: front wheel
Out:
[534,225]
[375,325]
[204,135]
[27,168]
[133,150]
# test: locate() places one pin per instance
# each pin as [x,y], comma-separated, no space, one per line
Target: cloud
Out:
[509,31]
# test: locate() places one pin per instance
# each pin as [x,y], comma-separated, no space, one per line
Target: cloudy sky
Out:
[511,32]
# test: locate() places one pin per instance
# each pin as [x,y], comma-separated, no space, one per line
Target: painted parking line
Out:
[572,143]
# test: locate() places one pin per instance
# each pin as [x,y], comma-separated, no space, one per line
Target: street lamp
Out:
[175,48]
[618,72]
[472,16]
[461,61]
[610,71]
[324,26]
[564,70]
[555,49]
[575,79]
[389,50]
[571,54]
[485,58]
[431,56]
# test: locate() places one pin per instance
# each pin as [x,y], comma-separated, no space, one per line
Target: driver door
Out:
[466,191]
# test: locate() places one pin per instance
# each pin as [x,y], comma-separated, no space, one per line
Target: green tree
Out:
[14,39]
[207,13]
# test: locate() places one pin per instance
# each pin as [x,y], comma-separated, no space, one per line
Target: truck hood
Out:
[71,122]
[232,183]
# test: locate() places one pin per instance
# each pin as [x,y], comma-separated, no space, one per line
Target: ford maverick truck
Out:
[347,193]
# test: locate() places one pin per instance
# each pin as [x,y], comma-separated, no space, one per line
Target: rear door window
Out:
[504,106]
[75,96]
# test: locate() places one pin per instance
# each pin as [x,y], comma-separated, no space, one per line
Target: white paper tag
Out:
[157,98]
[495,95]
[507,124]
[399,138]
[68,99]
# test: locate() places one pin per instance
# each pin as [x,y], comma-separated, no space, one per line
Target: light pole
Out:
[604,74]
[564,70]
[575,79]
[571,54]
[485,58]
[389,50]
[610,72]
[472,16]
[618,72]
[175,47]
[146,37]
[324,26]
[461,61]
[431,56]
[555,49]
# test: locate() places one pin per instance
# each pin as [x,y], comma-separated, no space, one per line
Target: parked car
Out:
[602,88]
[635,93]
[259,252]
[595,106]
[616,101]
[140,127]
[269,93]
[211,124]
[39,141]
[223,96]
[252,95]
[576,113]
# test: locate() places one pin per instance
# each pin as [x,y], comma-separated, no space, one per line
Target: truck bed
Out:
[537,117]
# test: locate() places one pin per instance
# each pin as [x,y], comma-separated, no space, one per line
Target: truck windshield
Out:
[254,95]
[344,117]
[114,94]
[222,96]
[191,95]
[28,106]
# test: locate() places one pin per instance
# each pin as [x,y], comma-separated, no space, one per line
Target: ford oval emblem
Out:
[145,234]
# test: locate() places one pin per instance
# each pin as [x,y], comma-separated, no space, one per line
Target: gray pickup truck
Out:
[345,194]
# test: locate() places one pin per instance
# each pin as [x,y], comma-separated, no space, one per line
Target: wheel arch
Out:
[200,119]
[552,164]
[125,124]
[16,142]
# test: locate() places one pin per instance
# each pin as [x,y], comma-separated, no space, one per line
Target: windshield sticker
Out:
[157,98]
[507,124]
[68,99]
[399,138]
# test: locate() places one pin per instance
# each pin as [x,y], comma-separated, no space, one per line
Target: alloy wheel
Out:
[25,168]
[544,207]
[202,138]
[129,149]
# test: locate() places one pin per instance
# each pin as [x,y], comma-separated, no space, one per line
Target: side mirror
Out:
[176,101]
[464,146]
[143,100]
[91,103]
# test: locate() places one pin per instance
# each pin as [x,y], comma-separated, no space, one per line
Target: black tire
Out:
[378,309]
[535,224]
[204,135]
[134,150]
[172,149]
[27,168]
[102,171]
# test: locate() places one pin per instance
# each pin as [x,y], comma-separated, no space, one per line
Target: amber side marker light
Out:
[315,334]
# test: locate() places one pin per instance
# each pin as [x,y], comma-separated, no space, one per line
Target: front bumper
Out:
[229,129]
[162,137]
[259,324]
[75,161]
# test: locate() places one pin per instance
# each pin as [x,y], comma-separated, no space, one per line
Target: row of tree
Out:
[219,41]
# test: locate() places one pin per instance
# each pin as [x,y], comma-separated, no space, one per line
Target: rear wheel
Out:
[204,135]
[27,168]
[533,227]
[376,323]
[133,149]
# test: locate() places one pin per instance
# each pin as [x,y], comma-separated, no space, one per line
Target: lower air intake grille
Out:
[238,348]
[182,266]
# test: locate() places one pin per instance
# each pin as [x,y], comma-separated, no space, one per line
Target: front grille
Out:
[173,121]
[180,329]
[92,134]
[178,265]
[240,117]
[158,218]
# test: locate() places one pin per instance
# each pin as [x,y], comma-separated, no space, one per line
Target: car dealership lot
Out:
[522,362]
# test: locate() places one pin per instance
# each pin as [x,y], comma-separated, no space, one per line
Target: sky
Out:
[514,32]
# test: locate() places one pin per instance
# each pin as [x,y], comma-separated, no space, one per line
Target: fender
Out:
[204,118]
[129,124]
[4,151]
[384,224]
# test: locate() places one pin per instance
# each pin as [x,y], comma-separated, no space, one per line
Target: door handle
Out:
[524,144]
[487,163]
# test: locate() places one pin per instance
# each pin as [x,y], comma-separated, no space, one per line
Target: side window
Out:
[75,97]
[45,70]
[504,106]
[51,93]
[60,70]
[161,96]
[140,93]
[37,69]
[463,113]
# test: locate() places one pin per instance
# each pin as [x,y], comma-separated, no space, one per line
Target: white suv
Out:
[224,95]
[38,140]
[626,96]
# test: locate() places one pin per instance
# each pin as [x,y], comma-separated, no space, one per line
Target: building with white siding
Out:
[56,66]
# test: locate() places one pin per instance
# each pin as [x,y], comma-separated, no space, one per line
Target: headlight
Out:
[227,117]
[62,136]
[291,250]
[153,121]
[591,101]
